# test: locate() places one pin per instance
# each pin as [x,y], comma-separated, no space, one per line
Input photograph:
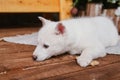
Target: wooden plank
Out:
[94,9]
[29,6]
[107,72]
[28,61]
[14,56]
[65,7]
[40,72]
[59,69]
[10,48]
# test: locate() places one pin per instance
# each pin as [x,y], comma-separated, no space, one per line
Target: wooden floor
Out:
[16,63]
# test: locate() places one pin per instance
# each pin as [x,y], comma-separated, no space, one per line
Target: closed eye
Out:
[46,46]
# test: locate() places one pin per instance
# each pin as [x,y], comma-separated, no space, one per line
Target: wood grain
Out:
[26,6]
[29,6]
[94,9]
[65,7]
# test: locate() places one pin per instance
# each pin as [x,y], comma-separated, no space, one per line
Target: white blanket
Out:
[28,39]
[31,39]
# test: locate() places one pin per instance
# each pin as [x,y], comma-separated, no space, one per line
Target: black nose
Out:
[34,57]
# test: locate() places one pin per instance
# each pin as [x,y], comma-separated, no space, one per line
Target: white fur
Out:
[88,36]
[117,11]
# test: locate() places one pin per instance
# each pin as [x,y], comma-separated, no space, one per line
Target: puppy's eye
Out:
[45,46]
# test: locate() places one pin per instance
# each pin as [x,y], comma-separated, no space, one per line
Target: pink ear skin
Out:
[60,29]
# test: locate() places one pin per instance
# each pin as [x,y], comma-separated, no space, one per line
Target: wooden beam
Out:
[65,7]
[29,6]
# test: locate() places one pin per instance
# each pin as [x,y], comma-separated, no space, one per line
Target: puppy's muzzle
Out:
[34,57]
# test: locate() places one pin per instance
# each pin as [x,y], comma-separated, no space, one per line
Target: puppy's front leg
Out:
[89,54]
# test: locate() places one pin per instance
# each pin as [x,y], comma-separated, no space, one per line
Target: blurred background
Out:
[80,8]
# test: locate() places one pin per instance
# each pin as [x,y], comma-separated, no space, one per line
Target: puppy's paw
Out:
[83,61]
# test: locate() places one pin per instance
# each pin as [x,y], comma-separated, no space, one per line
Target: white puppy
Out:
[88,36]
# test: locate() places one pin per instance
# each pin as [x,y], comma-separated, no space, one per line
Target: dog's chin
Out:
[38,60]
[42,58]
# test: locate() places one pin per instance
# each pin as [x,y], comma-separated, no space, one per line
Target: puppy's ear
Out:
[60,29]
[43,20]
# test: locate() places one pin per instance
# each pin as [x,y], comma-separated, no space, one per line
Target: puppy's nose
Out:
[34,57]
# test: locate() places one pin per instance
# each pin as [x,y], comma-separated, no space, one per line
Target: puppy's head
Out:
[51,40]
